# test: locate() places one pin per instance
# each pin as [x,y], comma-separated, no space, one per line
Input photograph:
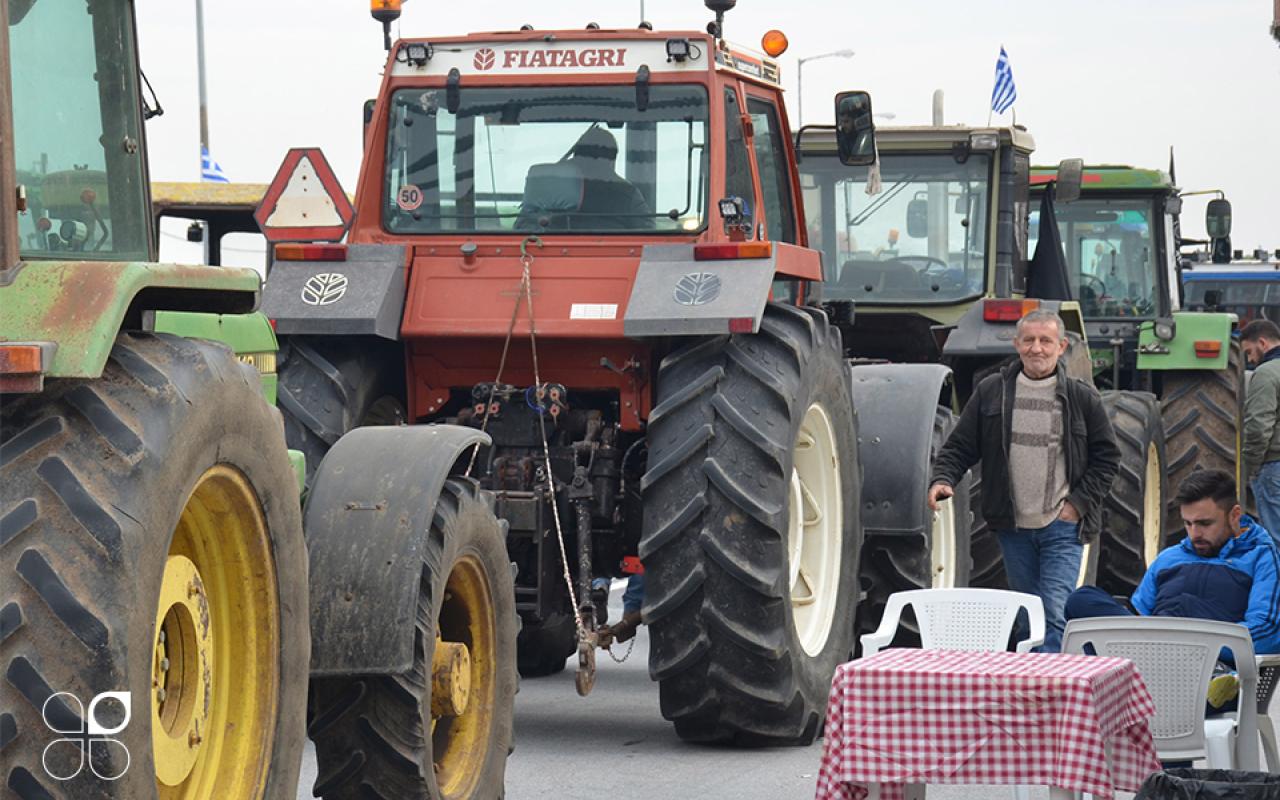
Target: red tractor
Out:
[590,245]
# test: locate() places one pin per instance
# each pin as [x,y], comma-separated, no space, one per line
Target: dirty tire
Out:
[902,563]
[327,387]
[373,733]
[1203,422]
[544,646]
[96,474]
[725,645]
[1127,546]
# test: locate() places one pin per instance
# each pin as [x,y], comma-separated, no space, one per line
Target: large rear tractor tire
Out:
[1133,512]
[442,731]
[751,530]
[984,546]
[1203,415]
[151,543]
[902,563]
[327,387]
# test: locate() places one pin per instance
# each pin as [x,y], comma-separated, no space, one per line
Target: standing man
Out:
[1048,457]
[1261,452]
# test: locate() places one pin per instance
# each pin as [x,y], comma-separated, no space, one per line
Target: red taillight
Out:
[311,252]
[1208,349]
[741,325]
[273,324]
[21,359]
[722,252]
[632,566]
[1007,310]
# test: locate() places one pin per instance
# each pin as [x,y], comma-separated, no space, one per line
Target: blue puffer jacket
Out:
[1240,584]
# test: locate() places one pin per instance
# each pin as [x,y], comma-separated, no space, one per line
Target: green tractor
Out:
[939,265]
[155,627]
[1121,241]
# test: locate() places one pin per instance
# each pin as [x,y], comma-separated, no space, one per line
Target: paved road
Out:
[615,745]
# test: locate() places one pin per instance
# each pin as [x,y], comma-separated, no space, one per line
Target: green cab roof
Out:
[1110,176]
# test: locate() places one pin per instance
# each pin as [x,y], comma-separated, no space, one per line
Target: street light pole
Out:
[204,99]
[800,79]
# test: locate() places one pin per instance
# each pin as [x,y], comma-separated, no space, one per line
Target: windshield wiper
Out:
[880,202]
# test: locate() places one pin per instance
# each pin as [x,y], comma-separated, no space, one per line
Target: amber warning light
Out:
[774,43]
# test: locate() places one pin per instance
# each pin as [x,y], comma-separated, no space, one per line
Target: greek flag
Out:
[1004,92]
[211,170]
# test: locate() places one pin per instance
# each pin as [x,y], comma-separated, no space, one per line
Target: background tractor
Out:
[638,337]
[939,265]
[1122,240]
[151,534]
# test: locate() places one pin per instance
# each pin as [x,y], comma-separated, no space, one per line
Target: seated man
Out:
[582,192]
[1225,569]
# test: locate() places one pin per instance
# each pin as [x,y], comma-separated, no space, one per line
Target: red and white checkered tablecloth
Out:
[946,716]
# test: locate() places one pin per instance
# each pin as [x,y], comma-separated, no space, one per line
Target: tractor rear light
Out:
[21,368]
[732,250]
[632,566]
[742,325]
[1007,310]
[21,359]
[1208,349]
[311,252]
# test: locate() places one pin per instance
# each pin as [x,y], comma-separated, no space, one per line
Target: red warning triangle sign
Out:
[305,202]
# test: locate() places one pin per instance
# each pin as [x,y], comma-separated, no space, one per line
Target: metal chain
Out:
[625,655]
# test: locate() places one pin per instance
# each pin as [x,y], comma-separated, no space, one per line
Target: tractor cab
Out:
[1119,240]
[80,161]
[946,228]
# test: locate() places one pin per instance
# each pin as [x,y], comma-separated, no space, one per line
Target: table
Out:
[944,716]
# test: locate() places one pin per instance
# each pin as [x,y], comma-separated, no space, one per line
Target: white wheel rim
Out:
[1151,529]
[942,553]
[815,530]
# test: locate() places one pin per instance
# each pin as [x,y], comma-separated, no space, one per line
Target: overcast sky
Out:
[1116,81]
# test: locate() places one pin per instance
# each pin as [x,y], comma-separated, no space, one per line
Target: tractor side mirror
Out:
[855,129]
[918,218]
[1067,186]
[1217,218]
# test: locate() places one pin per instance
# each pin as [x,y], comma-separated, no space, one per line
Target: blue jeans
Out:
[1266,490]
[1044,562]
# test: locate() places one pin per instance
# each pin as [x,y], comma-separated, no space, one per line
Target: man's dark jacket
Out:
[984,431]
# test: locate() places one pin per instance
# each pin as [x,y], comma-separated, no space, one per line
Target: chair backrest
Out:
[1175,657]
[966,619]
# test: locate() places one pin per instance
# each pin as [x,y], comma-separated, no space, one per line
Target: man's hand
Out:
[939,491]
[1069,513]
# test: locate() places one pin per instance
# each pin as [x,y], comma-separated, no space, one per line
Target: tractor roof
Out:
[1117,177]
[821,138]
[532,53]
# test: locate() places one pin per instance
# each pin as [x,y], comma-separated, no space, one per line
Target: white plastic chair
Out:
[1176,657]
[1268,677]
[960,619]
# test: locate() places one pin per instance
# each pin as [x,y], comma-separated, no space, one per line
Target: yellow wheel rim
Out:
[464,680]
[216,670]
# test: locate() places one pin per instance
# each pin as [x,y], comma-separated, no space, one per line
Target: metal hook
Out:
[524,246]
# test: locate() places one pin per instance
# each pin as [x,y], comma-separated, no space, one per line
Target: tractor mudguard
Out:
[362,295]
[674,295]
[1201,340]
[366,522]
[974,336]
[896,405]
[77,308]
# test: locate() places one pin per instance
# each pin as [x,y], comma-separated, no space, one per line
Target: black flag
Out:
[1047,272]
